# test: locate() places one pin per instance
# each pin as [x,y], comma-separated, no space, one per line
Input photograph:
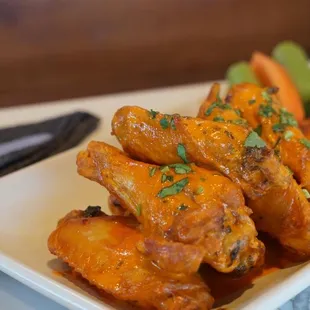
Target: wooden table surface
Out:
[55,49]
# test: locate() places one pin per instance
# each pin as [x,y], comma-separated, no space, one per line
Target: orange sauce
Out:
[227,287]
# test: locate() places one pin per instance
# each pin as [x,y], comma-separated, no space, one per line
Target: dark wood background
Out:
[54,49]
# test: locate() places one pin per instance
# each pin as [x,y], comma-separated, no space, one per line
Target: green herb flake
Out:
[182,207]
[182,152]
[139,210]
[252,101]
[219,119]
[163,178]
[305,142]
[217,104]
[153,113]
[164,169]
[164,123]
[306,193]
[170,178]
[266,110]
[239,121]
[254,140]
[259,130]
[199,190]
[172,124]
[287,118]
[173,189]
[181,168]
[238,112]
[278,127]
[288,135]
[266,96]
[203,179]
[152,171]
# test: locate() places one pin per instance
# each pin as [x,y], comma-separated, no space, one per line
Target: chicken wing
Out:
[182,203]
[276,125]
[230,147]
[281,211]
[103,250]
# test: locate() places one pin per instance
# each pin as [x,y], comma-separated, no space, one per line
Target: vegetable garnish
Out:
[152,171]
[287,118]
[139,210]
[251,101]
[305,142]
[182,152]
[239,122]
[278,127]
[164,169]
[199,190]
[254,140]
[183,207]
[181,168]
[172,124]
[288,135]
[258,130]
[218,119]
[173,189]
[238,112]
[306,193]
[153,113]
[166,177]
[266,96]
[266,110]
[164,123]
[217,104]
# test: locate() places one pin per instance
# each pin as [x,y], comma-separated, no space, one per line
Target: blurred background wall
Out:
[55,49]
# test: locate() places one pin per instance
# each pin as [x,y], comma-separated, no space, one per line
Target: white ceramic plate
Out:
[33,199]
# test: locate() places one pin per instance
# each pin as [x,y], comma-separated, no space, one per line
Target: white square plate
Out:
[34,198]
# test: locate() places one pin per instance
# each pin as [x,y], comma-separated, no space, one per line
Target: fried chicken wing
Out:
[103,250]
[231,147]
[181,203]
[278,127]
[282,211]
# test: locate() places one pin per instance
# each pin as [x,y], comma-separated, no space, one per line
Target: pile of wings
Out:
[186,191]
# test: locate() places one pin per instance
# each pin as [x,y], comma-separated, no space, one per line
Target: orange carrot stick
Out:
[271,73]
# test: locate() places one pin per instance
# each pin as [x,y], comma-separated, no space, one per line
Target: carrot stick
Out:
[271,73]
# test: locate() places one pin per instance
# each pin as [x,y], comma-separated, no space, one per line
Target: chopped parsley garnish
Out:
[173,189]
[182,152]
[218,119]
[306,193]
[170,178]
[164,169]
[238,112]
[153,113]
[288,135]
[164,123]
[138,210]
[259,130]
[272,90]
[287,118]
[152,171]
[266,110]
[181,168]
[278,127]
[172,124]
[217,104]
[239,121]
[183,207]
[199,190]
[254,140]
[165,178]
[251,101]
[305,142]
[266,96]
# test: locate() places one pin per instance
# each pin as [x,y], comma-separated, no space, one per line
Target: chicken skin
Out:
[103,250]
[181,203]
[225,143]
[277,126]
[281,211]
